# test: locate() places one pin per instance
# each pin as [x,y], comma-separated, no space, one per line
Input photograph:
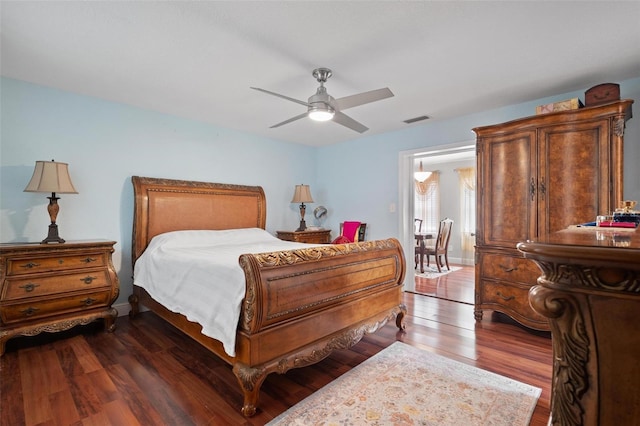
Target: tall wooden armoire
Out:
[538,175]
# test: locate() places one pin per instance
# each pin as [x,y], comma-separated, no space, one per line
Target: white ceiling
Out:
[198,59]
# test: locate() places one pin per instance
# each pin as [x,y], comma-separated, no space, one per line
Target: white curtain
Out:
[427,202]
[467,185]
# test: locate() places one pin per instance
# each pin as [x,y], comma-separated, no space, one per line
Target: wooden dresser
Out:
[590,292]
[322,236]
[53,287]
[538,175]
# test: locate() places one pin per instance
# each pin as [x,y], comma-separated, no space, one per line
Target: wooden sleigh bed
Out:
[299,305]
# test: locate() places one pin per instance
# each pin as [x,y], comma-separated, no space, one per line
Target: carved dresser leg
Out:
[110,320]
[477,314]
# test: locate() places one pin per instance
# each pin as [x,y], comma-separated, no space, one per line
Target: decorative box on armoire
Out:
[53,287]
[539,175]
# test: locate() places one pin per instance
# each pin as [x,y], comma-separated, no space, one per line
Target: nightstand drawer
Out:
[43,308]
[34,264]
[19,288]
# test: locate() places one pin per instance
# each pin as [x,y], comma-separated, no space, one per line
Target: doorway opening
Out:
[447,161]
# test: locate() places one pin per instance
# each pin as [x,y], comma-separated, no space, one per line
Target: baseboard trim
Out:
[460,261]
[124,308]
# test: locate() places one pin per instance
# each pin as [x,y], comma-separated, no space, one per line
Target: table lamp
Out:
[53,177]
[302,195]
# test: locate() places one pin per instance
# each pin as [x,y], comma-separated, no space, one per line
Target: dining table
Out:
[420,239]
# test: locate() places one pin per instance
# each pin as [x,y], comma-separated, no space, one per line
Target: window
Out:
[427,202]
[467,184]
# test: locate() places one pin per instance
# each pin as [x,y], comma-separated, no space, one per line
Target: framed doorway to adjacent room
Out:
[449,161]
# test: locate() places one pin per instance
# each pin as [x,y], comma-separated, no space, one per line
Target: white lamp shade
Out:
[302,194]
[51,176]
[421,175]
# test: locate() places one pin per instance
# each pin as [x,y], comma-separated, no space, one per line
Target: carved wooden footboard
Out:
[299,306]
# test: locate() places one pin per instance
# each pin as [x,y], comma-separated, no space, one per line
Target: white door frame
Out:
[406,199]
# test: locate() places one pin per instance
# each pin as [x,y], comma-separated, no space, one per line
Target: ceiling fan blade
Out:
[363,98]
[282,96]
[349,122]
[297,117]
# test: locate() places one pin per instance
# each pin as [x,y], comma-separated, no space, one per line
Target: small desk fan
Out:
[320,213]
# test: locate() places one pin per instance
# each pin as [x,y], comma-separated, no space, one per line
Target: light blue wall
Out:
[105,143]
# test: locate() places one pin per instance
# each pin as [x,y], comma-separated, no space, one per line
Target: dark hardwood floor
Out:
[147,373]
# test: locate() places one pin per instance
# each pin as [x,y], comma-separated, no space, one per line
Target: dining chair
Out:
[417,228]
[441,246]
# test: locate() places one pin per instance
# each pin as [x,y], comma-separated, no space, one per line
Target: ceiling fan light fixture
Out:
[321,112]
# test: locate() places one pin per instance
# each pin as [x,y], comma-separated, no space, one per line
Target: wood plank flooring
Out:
[457,286]
[147,373]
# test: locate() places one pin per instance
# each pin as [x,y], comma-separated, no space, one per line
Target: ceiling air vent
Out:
[413,120]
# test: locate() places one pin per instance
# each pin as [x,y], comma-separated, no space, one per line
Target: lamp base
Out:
[303,226]
[53,236]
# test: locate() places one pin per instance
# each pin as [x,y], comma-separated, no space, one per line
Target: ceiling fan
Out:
[323,107]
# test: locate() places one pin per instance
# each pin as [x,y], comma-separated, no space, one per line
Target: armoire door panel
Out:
[575,191]
[507,189]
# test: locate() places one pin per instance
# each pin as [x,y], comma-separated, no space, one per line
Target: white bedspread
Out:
[197,274]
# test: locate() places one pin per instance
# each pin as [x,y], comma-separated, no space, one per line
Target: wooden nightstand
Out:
[322,236]
[53,287]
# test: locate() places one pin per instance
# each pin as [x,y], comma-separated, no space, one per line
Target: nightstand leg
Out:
[110,320]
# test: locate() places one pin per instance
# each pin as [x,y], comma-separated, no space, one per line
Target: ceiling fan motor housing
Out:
[321,101]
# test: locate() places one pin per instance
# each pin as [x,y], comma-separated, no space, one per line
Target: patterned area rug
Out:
[432,271]
[404,385]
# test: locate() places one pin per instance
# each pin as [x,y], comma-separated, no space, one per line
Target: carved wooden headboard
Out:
[164,205]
